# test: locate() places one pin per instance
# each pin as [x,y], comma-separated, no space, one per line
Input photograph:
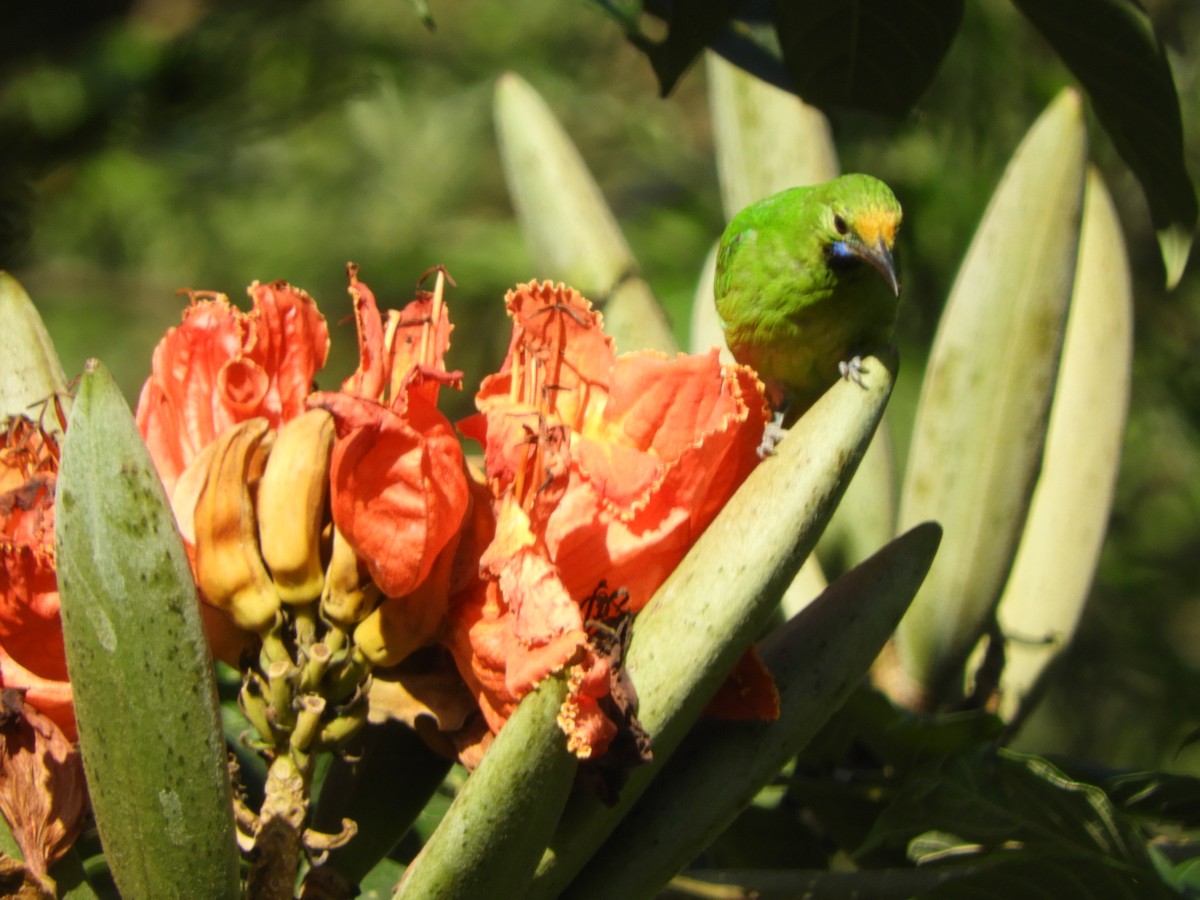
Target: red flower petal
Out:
[748,693]
[222,366]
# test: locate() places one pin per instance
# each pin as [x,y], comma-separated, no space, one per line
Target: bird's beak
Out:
[879,255]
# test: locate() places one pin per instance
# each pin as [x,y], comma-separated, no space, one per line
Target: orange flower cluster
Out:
[600,471]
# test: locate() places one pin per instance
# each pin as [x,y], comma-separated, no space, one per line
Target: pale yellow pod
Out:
[981,421]
[400,625]
[30,371]
[349,594]
[291,506]
[229,568]
[1051,577]
[572,232]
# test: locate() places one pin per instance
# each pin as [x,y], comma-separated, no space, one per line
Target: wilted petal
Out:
[427,693]
[42,790]
[479,634]
[748,693]
[588,729]
[31,643]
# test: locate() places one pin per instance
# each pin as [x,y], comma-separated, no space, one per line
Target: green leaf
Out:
[1111,48]
[788,884]
[1154,796]
[1034,827]
[691,26]
[145,696]
[867,54]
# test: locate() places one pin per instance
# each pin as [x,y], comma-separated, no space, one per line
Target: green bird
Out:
[798,286]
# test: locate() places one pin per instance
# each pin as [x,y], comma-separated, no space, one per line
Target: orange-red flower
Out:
[42,793]
[398,486]
[31,642]
[399,489]
[604,470]
[222,366]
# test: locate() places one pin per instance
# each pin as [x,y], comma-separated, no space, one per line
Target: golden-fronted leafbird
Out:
[806,282]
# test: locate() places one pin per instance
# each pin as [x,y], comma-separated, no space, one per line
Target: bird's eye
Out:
[839,224]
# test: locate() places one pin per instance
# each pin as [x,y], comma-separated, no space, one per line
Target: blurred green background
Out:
[155,145]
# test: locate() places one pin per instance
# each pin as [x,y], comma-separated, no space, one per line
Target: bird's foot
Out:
[772,434]
[852,370]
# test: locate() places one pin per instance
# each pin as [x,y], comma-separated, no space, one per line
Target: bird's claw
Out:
[772,434]
[852,370]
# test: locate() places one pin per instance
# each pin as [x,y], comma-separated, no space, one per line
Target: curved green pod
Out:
[145,697]
[817,659]
[1068,517]
[30,370]
[491,837]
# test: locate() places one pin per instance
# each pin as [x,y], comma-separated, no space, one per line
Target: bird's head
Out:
[859,221]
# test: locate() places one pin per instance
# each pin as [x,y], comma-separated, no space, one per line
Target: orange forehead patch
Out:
[875,225]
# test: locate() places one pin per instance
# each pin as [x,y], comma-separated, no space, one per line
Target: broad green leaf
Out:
[789,884]
[981,419]
[817,658]
[1156,797]
[720,598]
[1026,817]
[1066,877]
[1111,47]
[145,696]
[490,839]
[1068,516]
[570,228]
[877,56]
[30,371]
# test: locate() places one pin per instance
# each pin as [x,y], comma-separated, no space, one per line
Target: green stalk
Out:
[145,695]
[719,599]
[382,790]
[817,659]
[489,841]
